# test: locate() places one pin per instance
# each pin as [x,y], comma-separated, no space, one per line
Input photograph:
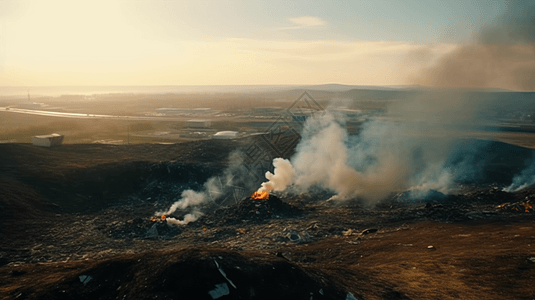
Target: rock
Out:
[431,247]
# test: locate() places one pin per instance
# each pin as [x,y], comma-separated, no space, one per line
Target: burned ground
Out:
[76,223]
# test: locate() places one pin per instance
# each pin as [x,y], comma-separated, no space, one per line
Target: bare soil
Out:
[76,224]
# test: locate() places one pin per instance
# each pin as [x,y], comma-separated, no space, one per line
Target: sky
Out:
[231,42]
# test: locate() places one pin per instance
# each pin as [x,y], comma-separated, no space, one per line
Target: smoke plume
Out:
[522,180]
[330,159]
[191,199]
[218,188]
[502,55]
[281,177]
[415,146]
[191,217]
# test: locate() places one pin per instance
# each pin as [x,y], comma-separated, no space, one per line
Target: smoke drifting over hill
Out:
[502,55]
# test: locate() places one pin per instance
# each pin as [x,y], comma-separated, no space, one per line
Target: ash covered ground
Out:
[76,224]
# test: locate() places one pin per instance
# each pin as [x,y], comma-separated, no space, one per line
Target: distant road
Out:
[88,116]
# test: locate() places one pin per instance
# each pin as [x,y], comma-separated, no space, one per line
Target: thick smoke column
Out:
[324,159]
[281,177]
[501,56]
[414,147]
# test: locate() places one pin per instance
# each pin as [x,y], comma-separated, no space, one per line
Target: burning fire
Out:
[154,219]
[260,195]
[528,207]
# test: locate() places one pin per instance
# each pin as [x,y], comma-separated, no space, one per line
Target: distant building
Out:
[198,124]
[225,135]
[48,140]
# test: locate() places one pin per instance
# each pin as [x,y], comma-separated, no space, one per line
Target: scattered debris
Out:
[224,274]
[519,207]
[85,279]
[219,291]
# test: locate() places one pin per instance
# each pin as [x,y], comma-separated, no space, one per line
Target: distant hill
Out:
[334,87]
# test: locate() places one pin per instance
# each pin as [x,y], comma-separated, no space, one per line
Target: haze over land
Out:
[267,149]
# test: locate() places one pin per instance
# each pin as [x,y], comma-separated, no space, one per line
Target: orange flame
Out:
[260,195]
[527,207]
[154,219]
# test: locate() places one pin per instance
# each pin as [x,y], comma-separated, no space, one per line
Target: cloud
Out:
[243,61]
[305,22]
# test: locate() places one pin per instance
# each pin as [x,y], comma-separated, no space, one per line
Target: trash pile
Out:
[256,210]
[519,207]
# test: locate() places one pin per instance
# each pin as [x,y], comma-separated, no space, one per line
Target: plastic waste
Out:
[219,291]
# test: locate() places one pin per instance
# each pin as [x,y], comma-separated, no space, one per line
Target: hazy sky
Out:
[159,42]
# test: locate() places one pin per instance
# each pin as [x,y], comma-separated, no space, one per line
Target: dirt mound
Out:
[254,210]
[18,200]
[194,274]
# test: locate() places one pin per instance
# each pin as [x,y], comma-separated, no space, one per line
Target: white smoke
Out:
[191,217]
[522,180]
[282,176]
[409,149]
[325,159]
[189,198]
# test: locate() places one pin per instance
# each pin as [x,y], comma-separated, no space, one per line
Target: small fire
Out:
[260,195]
[528,207]
[154,219]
